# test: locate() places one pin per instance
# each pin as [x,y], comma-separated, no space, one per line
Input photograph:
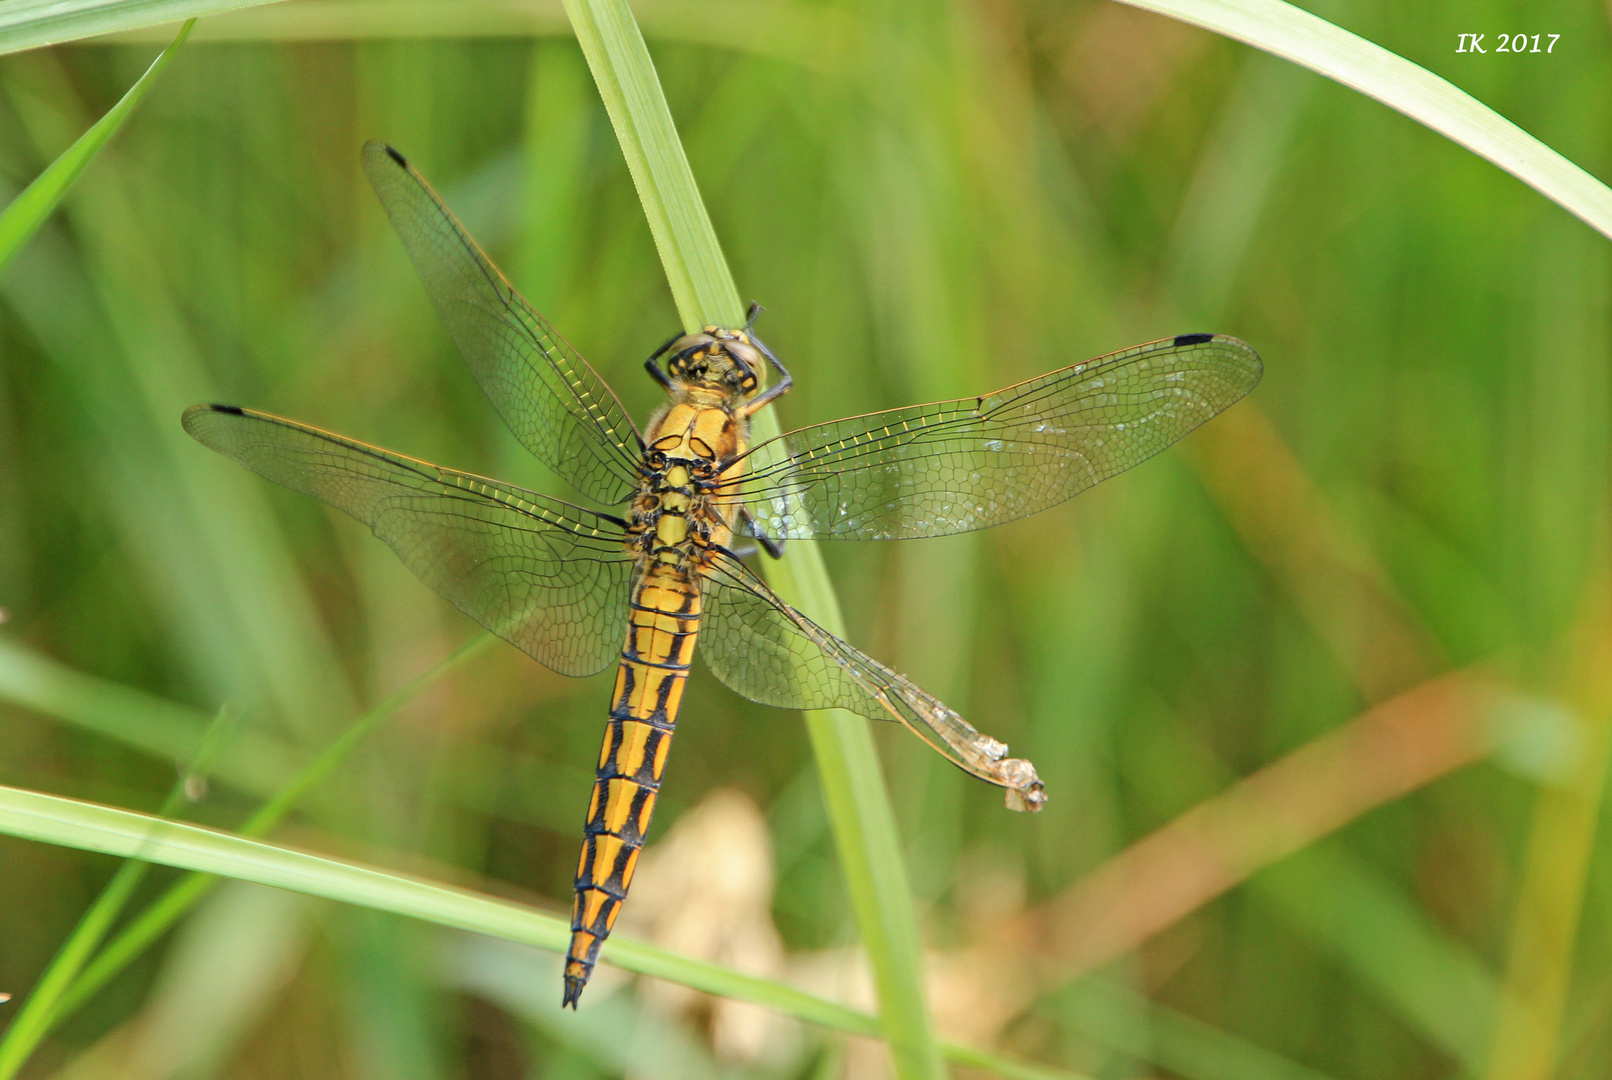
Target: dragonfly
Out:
[633,587]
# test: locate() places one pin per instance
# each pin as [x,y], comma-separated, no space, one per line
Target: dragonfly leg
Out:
[657,374]
[774,548]
[777,389]
[653,368]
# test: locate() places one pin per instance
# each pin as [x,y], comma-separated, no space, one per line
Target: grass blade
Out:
[853,787]
[38,1013]
[28,211]
[71,823]
[184,894]
[1561,843]
[28,24]
[1296,35]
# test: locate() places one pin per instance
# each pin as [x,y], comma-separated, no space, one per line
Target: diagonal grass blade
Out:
[1296,35]
[28,211]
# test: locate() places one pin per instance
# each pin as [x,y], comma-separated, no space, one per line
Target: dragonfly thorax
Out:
[679,513]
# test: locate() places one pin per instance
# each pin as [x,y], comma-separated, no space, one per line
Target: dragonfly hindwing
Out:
[768,652]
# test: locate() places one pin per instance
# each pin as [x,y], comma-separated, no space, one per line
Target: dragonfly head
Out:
[726,361]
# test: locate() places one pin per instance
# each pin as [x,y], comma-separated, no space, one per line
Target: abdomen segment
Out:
[661,630]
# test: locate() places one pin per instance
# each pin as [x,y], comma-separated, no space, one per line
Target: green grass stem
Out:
[853,787]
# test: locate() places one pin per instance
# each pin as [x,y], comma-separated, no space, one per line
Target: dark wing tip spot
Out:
[1193,339]
[395,156]
[233,410]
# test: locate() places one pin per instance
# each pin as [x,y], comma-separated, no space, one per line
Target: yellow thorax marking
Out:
[672,528]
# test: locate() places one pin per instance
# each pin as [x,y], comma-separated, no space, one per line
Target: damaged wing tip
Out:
[1025,792]
[1027,801]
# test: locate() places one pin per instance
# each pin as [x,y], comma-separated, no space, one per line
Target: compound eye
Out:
[679,352]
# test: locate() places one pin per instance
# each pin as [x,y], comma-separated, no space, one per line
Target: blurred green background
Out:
[931,200]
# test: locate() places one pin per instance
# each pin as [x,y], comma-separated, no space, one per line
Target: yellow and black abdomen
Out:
[663,624]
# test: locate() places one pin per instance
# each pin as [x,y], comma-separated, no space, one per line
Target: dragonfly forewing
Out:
[765,650]
[548,577]
[956,466]
[552,399]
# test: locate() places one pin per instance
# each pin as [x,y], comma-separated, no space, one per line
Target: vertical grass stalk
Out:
[1561,843]
[702,285]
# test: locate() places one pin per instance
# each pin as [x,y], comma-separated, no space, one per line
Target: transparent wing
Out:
[765,650]
[955,466]
[548,577]
[555,403]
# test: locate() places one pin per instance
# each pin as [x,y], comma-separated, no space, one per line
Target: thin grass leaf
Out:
[184,894]
[1296,35]
[71,823]
[853,787]
[28,24]
[38,1013]
[271,813]
[1541,961]
[28,211]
